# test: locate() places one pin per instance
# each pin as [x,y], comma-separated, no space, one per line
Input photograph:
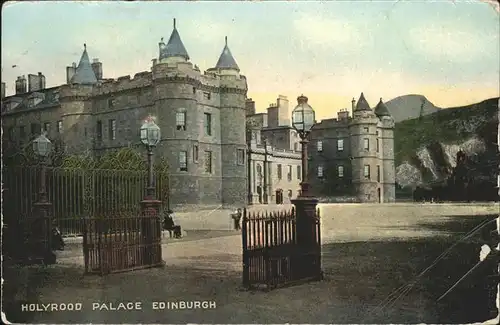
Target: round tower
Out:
[178,114]
[386,139]
[233,90]
[75,126]
[364,161]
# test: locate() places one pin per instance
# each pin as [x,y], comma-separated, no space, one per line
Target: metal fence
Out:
[122,242]
[76,194]
[272,256]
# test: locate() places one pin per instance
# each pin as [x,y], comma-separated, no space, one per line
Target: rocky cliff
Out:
[426,147]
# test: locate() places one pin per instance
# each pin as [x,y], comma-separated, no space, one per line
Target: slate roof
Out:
[174,47]
[226,60]
[381,109]
[84,73]
[362,104]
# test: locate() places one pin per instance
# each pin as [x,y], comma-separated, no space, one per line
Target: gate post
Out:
[305,209]
[151,227]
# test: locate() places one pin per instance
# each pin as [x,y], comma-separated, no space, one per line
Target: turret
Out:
[84,74]
[364,159]
[76,106]
[233,90]
[174,50]
[386,151]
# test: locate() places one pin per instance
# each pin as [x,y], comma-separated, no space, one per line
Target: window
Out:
[259,171]
[299,171]
[320,171]
[111,103]
[340,171]
[35,129]
[46,127]
[378,173]
[98,131]
[295,146]
[195,153]
[22,132]
[366,130]
[59,127]
[208,161]
[366,144]
[378,146]
[180,120]
[366,171]
[340,145]
[112,129]
[279,171]
[376,133]
[290,194]
[240,157]
[319,145]
[183,161]
[289,173]
[194,90]
[12,134]
[208,124]
[206,95]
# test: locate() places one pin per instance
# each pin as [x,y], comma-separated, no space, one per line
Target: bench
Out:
[168,224]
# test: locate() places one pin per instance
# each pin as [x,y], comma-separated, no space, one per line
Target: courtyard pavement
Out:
[369,252]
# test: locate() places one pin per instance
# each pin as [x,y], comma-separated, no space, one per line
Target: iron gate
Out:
[120,243]
[272,256]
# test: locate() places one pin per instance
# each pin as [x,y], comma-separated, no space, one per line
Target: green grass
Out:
[441,126]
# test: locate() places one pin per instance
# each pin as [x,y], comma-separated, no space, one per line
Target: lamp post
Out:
[150,136]
[151,223]
[303,118]
[307,230]
[41,228]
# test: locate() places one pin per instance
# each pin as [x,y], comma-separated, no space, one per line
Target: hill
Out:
[425,148]
[408,107]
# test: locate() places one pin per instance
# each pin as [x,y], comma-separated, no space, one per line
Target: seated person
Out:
[168,224]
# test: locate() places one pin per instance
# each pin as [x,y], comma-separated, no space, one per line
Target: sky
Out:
[330,51]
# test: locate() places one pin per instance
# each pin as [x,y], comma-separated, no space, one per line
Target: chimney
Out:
[32,82]
[41,80]
[97,67]
[353,102]
[21,85]
[343,114]
[3,90]
[70,72]
[250,106]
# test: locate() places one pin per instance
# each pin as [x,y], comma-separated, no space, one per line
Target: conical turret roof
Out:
[226,60]
[362,104]
[174,47]
[381,109]
[84,73]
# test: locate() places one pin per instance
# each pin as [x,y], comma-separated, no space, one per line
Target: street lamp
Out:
[43,238]
[150,136]
[303,119]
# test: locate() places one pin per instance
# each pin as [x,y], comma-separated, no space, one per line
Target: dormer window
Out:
[207,95]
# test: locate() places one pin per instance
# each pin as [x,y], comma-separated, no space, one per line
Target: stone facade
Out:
[274,156]
[354,156]
[201,117]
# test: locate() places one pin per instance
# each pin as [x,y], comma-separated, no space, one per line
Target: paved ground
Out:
[369,251]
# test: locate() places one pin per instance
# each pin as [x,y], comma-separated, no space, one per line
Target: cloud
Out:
[318,30]
[452,41]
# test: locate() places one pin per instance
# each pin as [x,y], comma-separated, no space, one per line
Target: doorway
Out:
[279,196]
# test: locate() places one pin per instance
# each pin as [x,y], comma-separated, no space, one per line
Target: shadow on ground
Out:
[360,286]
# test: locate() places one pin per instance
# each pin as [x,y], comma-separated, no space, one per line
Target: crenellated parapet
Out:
[123,84]
[75,92]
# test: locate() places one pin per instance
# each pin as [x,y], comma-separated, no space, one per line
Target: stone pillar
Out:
[151,225]
[41,233]
[305,209]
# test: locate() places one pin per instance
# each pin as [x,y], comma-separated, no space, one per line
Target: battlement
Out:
[141,79]
[75,91]
[331,122]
